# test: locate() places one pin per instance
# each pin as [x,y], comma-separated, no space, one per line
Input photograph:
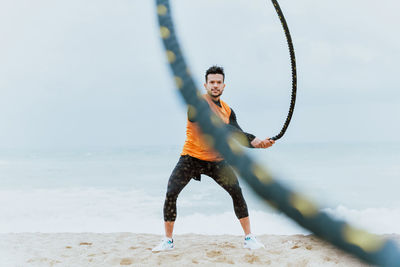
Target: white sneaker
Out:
[251,242]
[165,244]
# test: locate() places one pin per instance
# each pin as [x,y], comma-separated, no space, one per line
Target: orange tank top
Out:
[195,145]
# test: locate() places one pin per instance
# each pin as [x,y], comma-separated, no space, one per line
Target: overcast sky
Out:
[92,73]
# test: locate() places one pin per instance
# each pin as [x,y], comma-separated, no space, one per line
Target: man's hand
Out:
[258,143]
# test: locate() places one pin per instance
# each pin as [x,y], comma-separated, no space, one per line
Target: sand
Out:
[127,249]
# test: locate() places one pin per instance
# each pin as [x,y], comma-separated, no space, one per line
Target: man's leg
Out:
[169,228]
[225,177]
[245,223]
[223,174]
[180,177]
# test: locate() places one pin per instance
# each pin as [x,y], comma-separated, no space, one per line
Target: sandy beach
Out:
[127,249]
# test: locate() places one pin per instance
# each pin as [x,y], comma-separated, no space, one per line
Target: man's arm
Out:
[234,126]
[252,140]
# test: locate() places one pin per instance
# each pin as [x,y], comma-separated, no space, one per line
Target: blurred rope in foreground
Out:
[366,246]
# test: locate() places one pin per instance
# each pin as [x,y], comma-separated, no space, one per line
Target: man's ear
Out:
[205,86]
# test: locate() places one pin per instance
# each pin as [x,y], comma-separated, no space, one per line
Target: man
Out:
[198,158]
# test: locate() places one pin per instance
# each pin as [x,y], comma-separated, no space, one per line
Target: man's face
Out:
[215,85]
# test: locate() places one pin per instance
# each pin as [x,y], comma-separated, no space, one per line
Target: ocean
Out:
[122,189]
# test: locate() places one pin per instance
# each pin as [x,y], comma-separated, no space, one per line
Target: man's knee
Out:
[235,191]
[172,194]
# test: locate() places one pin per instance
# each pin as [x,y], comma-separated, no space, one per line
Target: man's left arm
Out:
[252,141]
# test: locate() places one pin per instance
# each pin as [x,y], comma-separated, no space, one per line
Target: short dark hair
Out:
[215,70]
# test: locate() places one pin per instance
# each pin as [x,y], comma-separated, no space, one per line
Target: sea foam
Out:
[114,210]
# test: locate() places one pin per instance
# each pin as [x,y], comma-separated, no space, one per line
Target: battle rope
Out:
[293,65]
[371,248]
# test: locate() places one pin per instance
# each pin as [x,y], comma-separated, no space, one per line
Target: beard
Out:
[216,94]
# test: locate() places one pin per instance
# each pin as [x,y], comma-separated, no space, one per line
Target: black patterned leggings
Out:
[188,168]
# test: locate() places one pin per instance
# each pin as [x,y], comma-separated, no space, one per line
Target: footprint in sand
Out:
[213,253]
[224,259]
[126,261]
[250,258]
[308,247]
[227,245]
